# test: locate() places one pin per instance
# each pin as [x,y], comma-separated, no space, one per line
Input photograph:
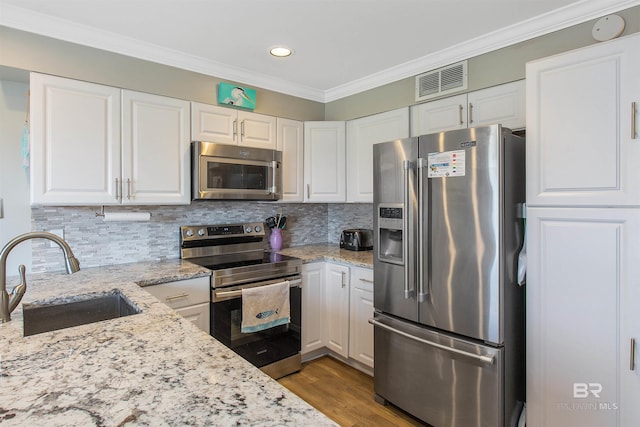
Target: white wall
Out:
[14,179]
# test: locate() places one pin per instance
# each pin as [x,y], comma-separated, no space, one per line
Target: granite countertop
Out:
[153,368]
[330,252]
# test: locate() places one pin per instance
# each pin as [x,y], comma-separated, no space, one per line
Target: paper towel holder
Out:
[101,213]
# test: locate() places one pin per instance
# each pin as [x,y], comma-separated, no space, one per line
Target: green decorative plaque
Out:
[237,96]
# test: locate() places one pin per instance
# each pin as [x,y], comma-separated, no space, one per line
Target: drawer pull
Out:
[362,279]
[174,297]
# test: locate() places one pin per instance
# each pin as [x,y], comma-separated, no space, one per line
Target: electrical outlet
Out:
[58,232]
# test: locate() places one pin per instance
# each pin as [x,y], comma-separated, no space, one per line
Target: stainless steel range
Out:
[235,254]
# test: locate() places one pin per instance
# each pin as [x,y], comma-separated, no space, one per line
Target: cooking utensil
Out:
[283,222]
[271,222]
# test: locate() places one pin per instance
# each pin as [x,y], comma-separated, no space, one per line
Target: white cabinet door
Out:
[190,298]
[213,124]
[75,142]
[257,130]
[438,116]
[336,320]
[583,286]
[360,330]
[504,104]
[361,135]
[198,315]
[155,149]
[226,125]
[312,306]
[324,161]
[580,147]
[291,143]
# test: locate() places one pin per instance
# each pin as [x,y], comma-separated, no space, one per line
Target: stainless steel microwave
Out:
[230,172]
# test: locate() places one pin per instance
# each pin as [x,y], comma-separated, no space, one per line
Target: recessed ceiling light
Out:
[280,51]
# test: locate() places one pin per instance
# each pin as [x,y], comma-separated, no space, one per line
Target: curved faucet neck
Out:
[71,264]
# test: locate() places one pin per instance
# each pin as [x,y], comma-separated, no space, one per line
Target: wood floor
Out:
[344,394]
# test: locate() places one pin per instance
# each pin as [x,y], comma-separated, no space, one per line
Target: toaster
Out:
[356,239]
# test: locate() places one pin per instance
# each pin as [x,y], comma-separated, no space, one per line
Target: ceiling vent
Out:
[449,79]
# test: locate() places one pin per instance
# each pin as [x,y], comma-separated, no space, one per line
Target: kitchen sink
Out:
[39,318]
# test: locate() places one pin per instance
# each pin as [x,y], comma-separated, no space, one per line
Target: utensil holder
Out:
[276,239]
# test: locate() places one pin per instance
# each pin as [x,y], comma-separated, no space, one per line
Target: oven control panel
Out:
[205,232]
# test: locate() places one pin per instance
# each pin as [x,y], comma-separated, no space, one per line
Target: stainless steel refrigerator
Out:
[449,315]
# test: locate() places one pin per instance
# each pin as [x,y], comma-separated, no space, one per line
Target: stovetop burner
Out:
[235,253]
[267,258]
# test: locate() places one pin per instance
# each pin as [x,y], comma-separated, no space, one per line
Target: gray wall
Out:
[14,179]
[32,52]
[493,68]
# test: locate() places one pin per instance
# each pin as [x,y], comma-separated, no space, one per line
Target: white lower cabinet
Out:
[336,298]
[190,298]
[583,322]
[361,310]
[337,303]
[312,306]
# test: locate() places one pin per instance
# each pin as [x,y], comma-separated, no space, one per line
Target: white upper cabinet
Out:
[504,104]
[155,149]
[291,143]
[95,144]
[324,161]
[361,135]
[439,116]
[226,125]
[583,142]
[75,141]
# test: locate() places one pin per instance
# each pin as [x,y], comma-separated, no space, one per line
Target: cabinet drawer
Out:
[362,278]
[182,293]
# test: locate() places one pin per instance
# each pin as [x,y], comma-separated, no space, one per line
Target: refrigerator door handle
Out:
[480,357]
[406,199]
[422,274]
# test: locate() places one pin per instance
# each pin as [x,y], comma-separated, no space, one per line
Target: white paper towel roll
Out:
[126,216]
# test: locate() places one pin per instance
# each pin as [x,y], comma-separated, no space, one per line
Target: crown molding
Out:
[559,19]
[573,14]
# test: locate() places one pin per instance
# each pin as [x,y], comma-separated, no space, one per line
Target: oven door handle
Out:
[237,293]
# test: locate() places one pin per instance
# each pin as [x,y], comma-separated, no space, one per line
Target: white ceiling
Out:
[341,47]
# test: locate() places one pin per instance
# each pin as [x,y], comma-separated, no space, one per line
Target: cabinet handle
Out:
[633,120]
[117,188]
[171,298]
[460,112]
[362,279]
[235,129]
[342,273]
[242,130]
[470,113]
[632,360]
[128,189]
[308,192]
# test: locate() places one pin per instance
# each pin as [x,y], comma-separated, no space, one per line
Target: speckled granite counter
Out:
[153,368]
[330,252]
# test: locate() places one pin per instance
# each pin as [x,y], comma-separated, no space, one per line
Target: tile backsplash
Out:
[97,243]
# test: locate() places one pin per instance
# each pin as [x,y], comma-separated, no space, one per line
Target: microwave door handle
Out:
[423,219]
[274,177]
[406,200]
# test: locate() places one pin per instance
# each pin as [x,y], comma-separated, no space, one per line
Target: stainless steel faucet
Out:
[8,303]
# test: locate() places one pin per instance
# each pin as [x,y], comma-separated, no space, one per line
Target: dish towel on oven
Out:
[264,307]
